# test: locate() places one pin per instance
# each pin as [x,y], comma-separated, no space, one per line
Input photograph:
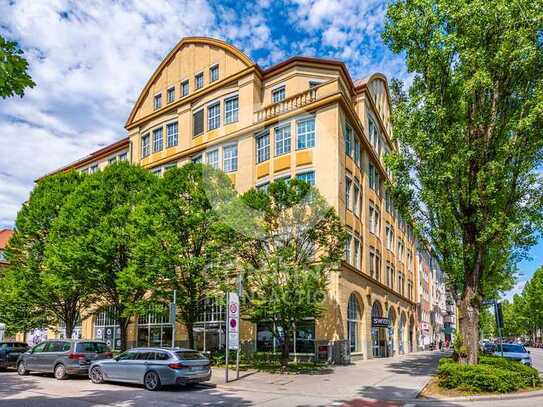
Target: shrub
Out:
[492,374]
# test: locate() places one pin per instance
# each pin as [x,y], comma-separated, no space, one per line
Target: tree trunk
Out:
[469,313]
[123,326]
[285,350]
[190,333]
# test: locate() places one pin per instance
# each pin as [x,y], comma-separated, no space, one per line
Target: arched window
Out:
[353,321]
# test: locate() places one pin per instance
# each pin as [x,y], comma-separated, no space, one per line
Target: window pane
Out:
[214,116]
[143,336]
[171,132]
[185,88]
[199,80]
[264,337]
[171,95]
[157,140]
[278,94]
[282,140]
[306,133]
[308,177]
[213,158]
[231,110]
[230,158]
[198,122]
[305,337]
[263,147]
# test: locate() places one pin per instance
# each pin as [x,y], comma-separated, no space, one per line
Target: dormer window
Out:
[157,104]
[199,80]
[214,73]
[278,94]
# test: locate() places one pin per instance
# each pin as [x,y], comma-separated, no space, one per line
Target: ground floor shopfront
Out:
[362,319]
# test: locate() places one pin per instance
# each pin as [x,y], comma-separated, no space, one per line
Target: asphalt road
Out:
[45,391]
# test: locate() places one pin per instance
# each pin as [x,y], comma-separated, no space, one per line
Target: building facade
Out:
[5,235]
[305,118]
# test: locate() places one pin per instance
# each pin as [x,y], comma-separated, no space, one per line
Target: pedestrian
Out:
[440,345]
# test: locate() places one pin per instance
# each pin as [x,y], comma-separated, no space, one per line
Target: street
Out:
[367,383]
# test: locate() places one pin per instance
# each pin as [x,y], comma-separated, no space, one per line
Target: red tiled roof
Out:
[5,235]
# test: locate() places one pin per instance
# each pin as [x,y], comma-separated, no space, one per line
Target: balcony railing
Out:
[297,101]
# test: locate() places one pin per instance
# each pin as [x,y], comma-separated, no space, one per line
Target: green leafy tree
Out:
[184,239]
[295,242]
[51,293]
[14,77]
[470,137]
[487,323]
[96,235]
[532,301]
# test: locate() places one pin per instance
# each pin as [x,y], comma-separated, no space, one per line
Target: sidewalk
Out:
[396,378]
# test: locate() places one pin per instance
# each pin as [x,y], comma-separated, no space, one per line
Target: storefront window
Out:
[303,340]
[154,328]
[353,320]
[209,329]
[106,328]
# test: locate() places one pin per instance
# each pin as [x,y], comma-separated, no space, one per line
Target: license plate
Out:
[198,368]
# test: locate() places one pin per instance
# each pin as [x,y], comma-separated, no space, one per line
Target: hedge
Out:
[492,374]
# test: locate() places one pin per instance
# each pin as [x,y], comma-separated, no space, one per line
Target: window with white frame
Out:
[373,218]
[112,160]
[282,139]
[212,158]
[199,80]
[185,87]
[154,328]
[279,94]
[145,145]
[214,73]
[356,252]
[94,168]
[348,185]
[263,187]
[197,159]
[305,133]
[231,109]
[262,146]
[157,140]
[348,136]
[356,197]
[171,134]
[214,116]
[123,157]
[308,176]
[157,101]
[230,158]
[106,327]
[171,94]
[347,253]
[389,232]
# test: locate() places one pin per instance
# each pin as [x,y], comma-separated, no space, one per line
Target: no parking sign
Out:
[233,321]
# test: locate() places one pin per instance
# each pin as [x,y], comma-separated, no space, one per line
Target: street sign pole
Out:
[227,345]
[240,292]
[173,316]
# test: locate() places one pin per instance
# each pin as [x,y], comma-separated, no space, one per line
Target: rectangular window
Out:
[123,156]
[306,133]
[145,145]
[356,253]
[112,160]
[157,140]
[356,151]
[348,135]
[263,147]
[373,133]
[214,73]
[230,158]
[185,88]
[157,103]
[373,219]
[308,177]
[199,80]
[372,262]
[171,134]
[348,184]
[348,249]
[214,116]
[356,197]
[212,158]
[231,109]
[282,140]
[94,169]
[197,159]
[263,187]
[278,94]
[198,122]
[171,94]
[377,265]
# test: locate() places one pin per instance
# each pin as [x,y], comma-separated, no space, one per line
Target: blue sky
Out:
[91,58]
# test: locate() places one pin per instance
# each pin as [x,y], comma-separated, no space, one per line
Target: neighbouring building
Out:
[5,235]
[438,302]
[306,118]
[424,302]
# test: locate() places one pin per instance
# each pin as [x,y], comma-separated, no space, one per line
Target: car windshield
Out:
[512,348]
[190,355]
[94,347]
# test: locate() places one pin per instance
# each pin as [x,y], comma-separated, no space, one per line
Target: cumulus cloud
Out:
[90,59]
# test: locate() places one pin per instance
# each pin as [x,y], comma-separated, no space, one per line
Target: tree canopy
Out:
[470,135]
[14,77]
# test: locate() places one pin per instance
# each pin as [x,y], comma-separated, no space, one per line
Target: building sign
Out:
[379,322]
[233,321]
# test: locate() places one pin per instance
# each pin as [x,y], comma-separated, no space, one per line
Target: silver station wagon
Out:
[153,367]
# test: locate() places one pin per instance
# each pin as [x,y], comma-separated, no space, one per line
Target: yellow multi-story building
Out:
[304,117]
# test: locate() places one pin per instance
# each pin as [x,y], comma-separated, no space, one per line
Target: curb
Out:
[507,396]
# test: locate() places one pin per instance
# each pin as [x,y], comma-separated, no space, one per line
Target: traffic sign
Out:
[233,321]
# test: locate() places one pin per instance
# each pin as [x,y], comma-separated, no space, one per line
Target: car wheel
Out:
[60,372]
[96,375]
[151,381]
[21,369]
